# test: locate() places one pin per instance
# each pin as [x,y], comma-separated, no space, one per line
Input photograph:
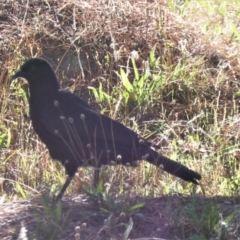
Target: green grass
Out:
[174,81]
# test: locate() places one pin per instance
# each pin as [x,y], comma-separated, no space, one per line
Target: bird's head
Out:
[37,72]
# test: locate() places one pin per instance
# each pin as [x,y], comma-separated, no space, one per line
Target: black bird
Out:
[76,135]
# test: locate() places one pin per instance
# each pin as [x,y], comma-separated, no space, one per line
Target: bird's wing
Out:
[69,95]
[71,118]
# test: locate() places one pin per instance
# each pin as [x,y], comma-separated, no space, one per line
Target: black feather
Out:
[78,136]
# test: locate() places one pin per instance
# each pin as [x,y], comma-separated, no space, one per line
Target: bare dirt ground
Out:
[160,218]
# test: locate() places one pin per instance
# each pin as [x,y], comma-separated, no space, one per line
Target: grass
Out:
[169,70]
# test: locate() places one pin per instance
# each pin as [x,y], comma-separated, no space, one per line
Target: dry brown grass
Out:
[194,115]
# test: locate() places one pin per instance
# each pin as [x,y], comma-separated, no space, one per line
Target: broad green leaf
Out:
[20,189]
[94,91]
[125,81]
[136,74]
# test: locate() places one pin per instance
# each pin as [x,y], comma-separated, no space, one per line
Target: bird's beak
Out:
[17,75]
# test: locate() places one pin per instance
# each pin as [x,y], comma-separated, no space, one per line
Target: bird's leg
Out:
[68,181]
[96,175]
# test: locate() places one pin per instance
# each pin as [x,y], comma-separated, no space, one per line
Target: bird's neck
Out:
[42,95]
[39,89]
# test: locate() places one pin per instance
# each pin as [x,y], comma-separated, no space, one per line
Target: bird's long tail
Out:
[173,167]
